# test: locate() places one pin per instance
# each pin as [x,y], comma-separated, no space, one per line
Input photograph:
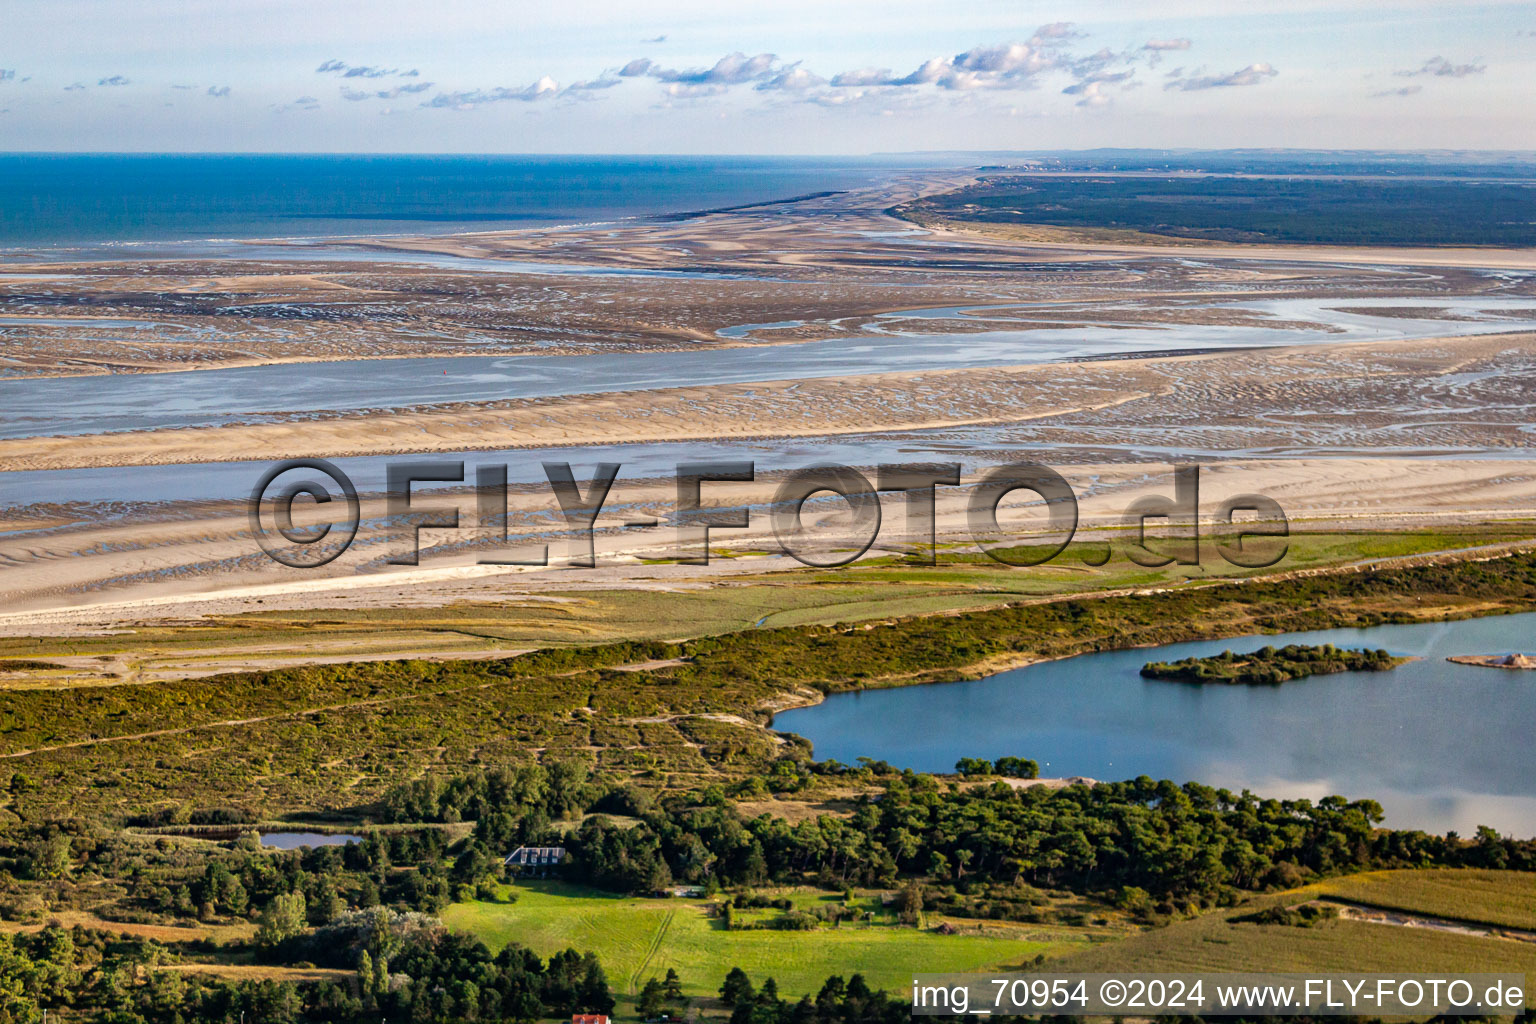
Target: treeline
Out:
[838,1002]
[1181,844]
[1186,845]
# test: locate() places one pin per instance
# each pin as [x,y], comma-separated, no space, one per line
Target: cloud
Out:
[114,80]
[862,78]
[362,70]
[1091,93]
[1407,90]
[655,39]
[544,88]
[1155,49]
[1090,90]
[1049,53]
[7,74]
[356,95]
[732,69]
[793,78]
[1439,67]
[302,103]
[1253,74]
[607,80]
[219,91]
[1012,65]
[694,90]
[75,87]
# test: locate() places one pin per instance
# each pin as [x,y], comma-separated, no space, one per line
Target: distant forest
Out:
[1327,211]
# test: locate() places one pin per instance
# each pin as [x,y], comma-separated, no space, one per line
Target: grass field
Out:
[1504,898]
[637,938]
[1215,943]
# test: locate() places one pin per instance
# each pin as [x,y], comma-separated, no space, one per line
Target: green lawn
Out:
[637,938]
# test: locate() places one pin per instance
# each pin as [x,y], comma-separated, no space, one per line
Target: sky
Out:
[762,76]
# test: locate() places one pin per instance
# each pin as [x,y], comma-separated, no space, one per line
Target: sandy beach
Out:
[1386,434]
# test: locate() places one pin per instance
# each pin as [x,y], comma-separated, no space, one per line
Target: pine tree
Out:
[650,1000]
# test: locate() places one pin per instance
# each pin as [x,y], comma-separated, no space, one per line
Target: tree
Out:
[909,903]
[672,986]
[365,979]
[938,865]
[592,995]
[650,999]
[282,919]
[1018,767]
[737,987]
[48,858]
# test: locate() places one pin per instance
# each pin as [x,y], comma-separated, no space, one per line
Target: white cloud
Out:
[606,80]
[356,95]
[544,88]
[862,78]
[1092,77]
[793,78]
[362,70]
[732,69]
[1253,74]
[1439,67]
[1090,89]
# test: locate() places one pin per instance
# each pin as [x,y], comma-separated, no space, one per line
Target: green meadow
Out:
[637,938]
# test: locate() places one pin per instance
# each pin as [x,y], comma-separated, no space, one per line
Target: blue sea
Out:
[82,200]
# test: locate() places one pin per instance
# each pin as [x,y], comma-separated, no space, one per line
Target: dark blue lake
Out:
[1441,746]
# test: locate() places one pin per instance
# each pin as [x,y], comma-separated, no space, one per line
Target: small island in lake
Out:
[1495,660]
[1270,666]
